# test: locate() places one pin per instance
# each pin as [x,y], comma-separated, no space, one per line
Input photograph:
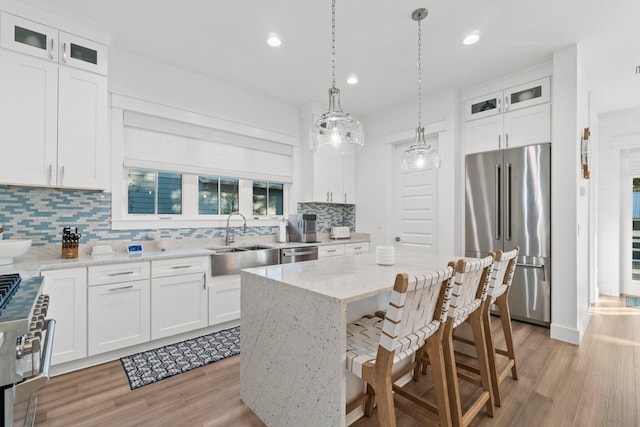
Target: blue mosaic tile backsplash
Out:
[40,214]
[330,214]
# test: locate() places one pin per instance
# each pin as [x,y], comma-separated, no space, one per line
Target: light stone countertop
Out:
[28,266]
[351,277]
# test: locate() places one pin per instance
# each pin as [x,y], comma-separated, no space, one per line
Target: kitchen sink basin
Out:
[230,260]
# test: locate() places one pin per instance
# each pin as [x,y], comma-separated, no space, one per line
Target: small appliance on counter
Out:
[340,233]
[302,228]
[70,243]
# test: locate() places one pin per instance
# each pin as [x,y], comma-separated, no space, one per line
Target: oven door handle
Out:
[299,253]
[29,386]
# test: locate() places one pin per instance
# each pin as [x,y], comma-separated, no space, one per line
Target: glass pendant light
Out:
[419,155]
[336,129]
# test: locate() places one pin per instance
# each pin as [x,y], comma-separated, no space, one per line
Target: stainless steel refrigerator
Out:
[508,203]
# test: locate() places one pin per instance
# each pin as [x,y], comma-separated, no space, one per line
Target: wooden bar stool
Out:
[470,287]
[503,269]
[498,293]
[413,322]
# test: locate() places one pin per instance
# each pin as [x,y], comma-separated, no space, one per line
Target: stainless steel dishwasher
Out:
[304,253]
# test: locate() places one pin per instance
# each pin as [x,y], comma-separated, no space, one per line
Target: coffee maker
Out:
[302,228]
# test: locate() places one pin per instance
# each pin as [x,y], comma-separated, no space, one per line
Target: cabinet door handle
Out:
[331,197]
[204,281]
[331,250]
[64,53]
[506,103]
[328,196]
[175,267]
[123,273]
[49,174]
[345,197]
[506,140]
[499,106]
[61,175]
[51,49]
[121,288]
[499,141]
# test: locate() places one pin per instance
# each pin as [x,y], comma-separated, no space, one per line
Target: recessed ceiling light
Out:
[352,79]
[273,40]
[471,39]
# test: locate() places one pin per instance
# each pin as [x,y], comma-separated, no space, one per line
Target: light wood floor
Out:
[595,384]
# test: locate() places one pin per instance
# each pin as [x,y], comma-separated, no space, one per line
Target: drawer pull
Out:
[121,288]
[332,250]
[121,274]
[175,267]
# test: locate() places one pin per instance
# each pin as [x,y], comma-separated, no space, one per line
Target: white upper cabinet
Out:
[81,53]
[334,177]
[53,107]
[514,117]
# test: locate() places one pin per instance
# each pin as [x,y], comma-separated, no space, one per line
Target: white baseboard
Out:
[562,333]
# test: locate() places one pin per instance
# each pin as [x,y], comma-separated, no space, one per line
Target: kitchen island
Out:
[293,332]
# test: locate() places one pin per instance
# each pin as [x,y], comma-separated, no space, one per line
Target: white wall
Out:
[139,77]
[569,217]
[374,169]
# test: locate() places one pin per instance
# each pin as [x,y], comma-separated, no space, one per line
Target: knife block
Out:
[69,253]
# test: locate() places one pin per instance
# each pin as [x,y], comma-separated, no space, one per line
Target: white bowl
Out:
[11,248]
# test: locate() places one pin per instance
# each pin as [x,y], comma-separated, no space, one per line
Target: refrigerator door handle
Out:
[525,265]
[497,203]
[507,203]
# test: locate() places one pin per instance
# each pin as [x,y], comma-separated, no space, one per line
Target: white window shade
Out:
[162,144]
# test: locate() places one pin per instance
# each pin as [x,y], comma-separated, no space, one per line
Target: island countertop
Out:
[350,278]
[293,333]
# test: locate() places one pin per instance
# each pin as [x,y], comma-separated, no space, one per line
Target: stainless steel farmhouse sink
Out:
[230,260]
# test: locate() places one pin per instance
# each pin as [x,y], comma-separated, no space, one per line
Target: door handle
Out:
[507,203]
[496,206]
[538,266]
[64,53]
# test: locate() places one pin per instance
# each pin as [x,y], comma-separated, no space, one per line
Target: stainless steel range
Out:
[26,341]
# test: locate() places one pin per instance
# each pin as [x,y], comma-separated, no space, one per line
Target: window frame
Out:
[190,217]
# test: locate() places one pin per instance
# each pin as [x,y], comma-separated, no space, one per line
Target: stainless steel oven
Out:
[305,253]
[26,343]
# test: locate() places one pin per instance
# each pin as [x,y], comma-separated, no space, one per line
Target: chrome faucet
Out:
[229,238]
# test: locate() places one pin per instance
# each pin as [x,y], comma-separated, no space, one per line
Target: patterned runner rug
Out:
[633,302]
[164,362]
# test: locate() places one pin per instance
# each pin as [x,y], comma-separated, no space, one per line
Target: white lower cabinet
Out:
[224,299]
[67,290]
[119,312]
[330,250]
[178,301]
[343,249]
[356,248]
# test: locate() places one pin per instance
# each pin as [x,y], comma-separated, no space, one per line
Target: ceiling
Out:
[375,39]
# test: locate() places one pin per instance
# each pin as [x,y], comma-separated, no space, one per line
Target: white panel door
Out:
[483,134]
[178,304]
[119,315]
[28,119]
[82,129]
[224,299]
[67,290]
[527,126]
[414,205]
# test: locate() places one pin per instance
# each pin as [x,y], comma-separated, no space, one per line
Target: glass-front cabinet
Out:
[32,38]
[28,37]
[513,98]
[81,53]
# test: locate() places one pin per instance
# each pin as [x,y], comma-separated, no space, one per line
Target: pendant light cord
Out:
[419,73]
[333,44]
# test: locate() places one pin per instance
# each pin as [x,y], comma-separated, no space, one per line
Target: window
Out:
[153,192]
[217,196]
[268,198]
